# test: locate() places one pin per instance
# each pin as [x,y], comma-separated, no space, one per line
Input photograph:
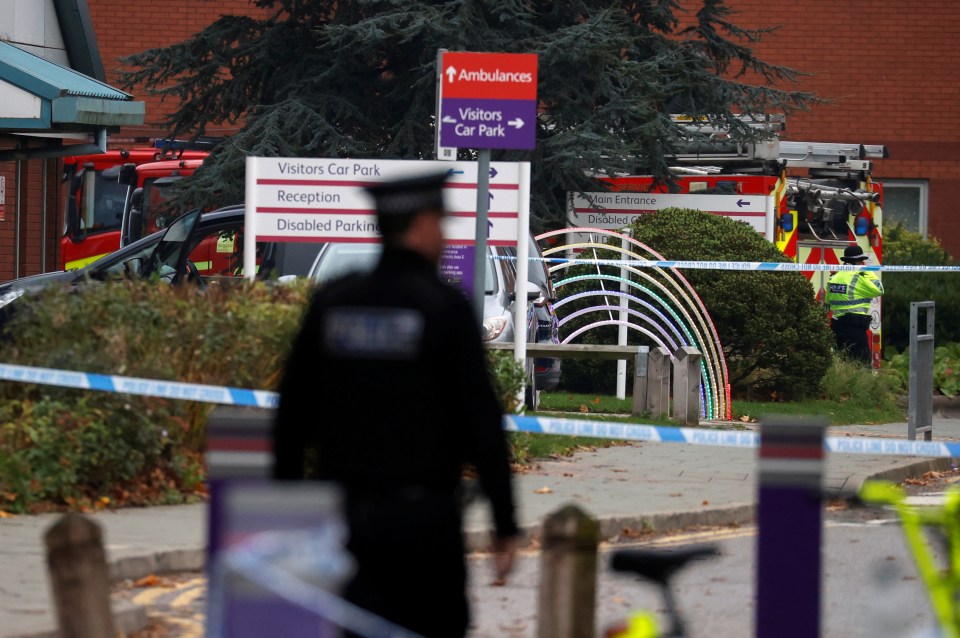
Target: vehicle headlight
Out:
[10,296]
[493,327]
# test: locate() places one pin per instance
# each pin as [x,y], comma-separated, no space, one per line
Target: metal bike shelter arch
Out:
[696,324]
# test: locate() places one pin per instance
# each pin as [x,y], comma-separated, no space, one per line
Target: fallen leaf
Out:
[150,580]
[705,503]
[543,490]
[618,600]
[837,505]
[584,408]
[633,533]
[745,418]
[6,514]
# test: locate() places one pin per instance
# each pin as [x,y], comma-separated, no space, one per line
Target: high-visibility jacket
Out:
[850,292]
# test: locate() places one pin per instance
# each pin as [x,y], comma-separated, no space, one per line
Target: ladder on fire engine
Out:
[710,143]
[825,198]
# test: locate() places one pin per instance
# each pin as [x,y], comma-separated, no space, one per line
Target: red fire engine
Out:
[96,199]
[811,199]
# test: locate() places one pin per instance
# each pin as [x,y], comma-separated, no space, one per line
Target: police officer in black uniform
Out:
[387,382]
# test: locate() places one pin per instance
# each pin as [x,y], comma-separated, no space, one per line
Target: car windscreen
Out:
[166,259]
[338,260]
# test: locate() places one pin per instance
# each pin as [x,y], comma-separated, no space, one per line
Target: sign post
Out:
[442,152]
[480,247]
[488,100]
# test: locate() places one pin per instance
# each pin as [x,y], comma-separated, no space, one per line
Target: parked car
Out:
[335,260]
[548,325]
[197,247]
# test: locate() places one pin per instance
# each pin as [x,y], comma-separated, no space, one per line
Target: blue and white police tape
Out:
[759,266]
[723,438]
[143,387]
[540,425]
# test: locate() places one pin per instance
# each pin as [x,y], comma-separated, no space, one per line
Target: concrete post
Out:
[79,577]
[658,382]
[640,381]
[686,386]
[789,528]
[568,574]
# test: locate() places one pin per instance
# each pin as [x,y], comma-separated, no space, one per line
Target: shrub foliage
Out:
[775,335]
[66,447]
[905,247]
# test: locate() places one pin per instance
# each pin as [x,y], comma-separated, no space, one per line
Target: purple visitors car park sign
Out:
[488,100]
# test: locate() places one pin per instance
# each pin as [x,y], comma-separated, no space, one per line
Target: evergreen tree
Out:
[356,78]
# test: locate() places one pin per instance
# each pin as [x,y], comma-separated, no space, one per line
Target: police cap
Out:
[853,254]
[410,195]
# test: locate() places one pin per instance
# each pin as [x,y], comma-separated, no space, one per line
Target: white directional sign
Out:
[320,200]
[613,210]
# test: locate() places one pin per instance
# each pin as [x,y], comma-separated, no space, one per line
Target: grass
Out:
[835,413]
[528,447]
[849,394]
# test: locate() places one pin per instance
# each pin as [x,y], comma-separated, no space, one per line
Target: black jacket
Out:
[387,380]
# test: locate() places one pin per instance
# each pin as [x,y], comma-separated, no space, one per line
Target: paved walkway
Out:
[653,486]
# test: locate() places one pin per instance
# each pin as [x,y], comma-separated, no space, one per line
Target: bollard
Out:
[789,528]
[79,577]
[658,382]
[640,381]
[239,448]
[920,402]
[244,501]
[568,574]
[686,386]
[305,525]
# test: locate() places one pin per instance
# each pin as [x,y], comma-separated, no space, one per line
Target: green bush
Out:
[66,447]
[905,247]
[946,368]
[858,386]
[56,450]
[774,334]
[507,375]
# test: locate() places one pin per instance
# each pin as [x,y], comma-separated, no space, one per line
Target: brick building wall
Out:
[125,28]
[39,218]
[891,71]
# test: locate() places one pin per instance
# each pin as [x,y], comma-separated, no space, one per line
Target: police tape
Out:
[226,395]
[758,266]
[138,386]
[723,438]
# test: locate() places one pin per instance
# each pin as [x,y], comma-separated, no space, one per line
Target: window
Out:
[905,201]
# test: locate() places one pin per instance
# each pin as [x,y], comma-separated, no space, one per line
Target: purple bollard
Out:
[246,503]
[789,528]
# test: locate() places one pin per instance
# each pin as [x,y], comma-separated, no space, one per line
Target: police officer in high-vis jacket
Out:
[387,383]
[848,297]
